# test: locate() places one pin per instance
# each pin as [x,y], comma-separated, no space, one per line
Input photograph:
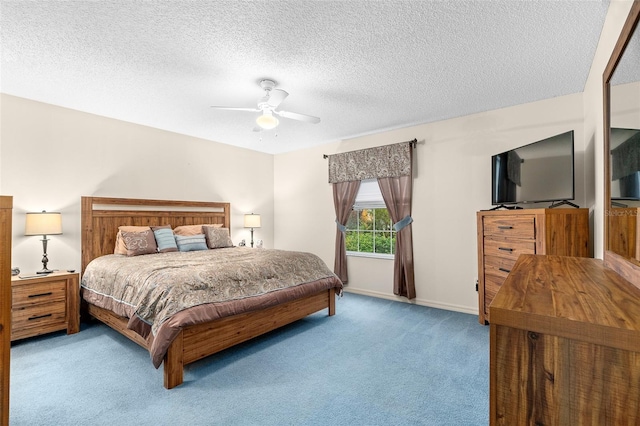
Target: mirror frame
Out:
[627,268]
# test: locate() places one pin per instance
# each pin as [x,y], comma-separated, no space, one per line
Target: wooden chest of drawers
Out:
[44,304]
[504,235]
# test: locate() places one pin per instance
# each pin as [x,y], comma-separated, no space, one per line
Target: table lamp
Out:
[252,221]
[43,223]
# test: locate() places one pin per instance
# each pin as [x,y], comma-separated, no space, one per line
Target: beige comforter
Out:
[167,291]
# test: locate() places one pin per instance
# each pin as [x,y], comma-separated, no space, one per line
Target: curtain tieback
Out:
[399,226]
[341,227]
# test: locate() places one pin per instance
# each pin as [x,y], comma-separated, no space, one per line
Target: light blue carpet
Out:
[376,362]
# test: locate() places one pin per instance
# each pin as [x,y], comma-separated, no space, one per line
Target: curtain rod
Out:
[413,143]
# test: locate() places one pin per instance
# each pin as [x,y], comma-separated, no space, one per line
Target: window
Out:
[369,228]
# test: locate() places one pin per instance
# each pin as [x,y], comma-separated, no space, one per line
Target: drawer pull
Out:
[504,270]
[505,249]
[39,316]
[505,227]
[41,294]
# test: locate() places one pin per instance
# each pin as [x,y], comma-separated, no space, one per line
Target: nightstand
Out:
[44,304]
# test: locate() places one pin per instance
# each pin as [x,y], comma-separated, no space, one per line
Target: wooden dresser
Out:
[6,208]
[503,235]
[45,304]
[565,345]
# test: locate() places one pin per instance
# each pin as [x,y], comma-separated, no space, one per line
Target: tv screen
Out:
[625,164]
[541,171]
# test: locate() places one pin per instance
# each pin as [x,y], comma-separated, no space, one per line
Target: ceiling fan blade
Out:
[299,117]
[276,96]
[235,108]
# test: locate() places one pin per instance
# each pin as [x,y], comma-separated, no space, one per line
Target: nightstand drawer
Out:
[39,316]
[36,293]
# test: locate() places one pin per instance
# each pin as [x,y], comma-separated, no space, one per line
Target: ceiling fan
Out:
[267,105]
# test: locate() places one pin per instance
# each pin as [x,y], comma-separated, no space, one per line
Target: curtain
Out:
[344,195]
[392,166]
[396,192]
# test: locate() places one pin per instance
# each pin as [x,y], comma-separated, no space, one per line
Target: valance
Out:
[372,163]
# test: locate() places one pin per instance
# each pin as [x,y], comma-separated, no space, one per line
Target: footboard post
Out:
[332,301]
[173,364]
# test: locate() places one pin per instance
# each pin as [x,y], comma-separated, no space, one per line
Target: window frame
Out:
[370,199]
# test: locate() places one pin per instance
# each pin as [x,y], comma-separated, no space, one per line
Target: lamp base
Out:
[45,259]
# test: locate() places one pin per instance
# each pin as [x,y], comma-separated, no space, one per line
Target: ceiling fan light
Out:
[267,121]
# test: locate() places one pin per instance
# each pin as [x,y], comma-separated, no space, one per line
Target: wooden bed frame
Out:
[100,220]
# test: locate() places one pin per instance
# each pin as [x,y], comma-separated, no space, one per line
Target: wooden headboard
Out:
[101,217]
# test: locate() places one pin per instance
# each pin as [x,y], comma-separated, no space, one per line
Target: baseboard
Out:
[416,301]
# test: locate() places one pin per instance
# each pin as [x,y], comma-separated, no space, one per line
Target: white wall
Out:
[452,178]
[51,156]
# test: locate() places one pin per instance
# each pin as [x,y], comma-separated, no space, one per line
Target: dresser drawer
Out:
[492,283]
[498,265]
[31,294]
[508,249]
[510,226]
[496,270]
[41,315]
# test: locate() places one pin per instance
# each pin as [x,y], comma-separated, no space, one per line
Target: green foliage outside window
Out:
[370,231]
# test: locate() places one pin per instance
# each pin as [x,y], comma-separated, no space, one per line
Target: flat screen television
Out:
[541,171]
[625,164]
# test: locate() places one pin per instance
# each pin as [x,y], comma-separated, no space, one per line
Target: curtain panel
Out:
[372,163]
[344,195]
[396,192]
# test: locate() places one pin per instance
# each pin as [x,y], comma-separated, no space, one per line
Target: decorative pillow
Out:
[165,239]
[217,237]
[191,242]
[138,243]
[193,229]
[120,248]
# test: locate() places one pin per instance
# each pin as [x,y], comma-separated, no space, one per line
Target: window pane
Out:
[383,242]
[351,241]
[383,220]
[366,242]
[366,219]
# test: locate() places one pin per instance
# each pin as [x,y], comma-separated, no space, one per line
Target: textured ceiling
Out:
[361,66]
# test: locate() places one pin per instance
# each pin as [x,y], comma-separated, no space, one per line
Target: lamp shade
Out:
[43,223]
[252,220]
[267,121]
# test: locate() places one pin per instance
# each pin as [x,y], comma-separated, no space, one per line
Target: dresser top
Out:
[517,212]
[572,297]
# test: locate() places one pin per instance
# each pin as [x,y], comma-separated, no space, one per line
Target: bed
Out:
[199,331]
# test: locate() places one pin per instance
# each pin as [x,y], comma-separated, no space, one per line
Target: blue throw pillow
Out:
[191,242]
[165,240]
